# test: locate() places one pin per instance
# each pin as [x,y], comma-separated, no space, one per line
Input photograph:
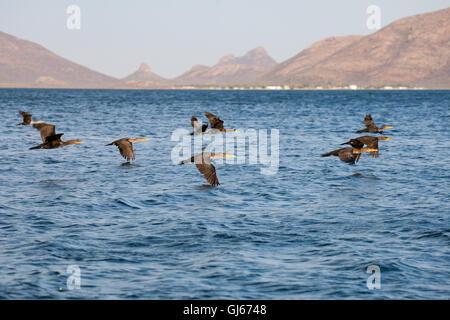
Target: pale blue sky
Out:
[173,35]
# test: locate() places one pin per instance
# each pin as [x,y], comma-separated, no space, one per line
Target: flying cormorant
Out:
[371,127]
[125,146]
[51,140]
[216,124]
[370,142]
[27,119]
[203,161]
[349,154]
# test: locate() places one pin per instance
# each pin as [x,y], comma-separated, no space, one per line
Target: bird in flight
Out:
[51,140]
[27,119]
[371,127]
[203,161]
[125,146]
[370,142]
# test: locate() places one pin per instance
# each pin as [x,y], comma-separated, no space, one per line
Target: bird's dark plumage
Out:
[214,121]
[51,140]
[45,129]
[26,118]
[348,154]
[125,146]
[369,141]
[203,162]
[344,154]
[371,127]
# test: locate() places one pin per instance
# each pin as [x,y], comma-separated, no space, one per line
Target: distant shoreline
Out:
[207,89]
[231,88]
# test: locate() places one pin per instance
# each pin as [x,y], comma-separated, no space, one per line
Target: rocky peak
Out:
[257,57]
[144,68]
[227,59]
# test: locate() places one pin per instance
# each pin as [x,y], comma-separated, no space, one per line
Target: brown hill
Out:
[26,63]
[230,70]
[145,74]
[414,51]
[295,66]
[143,78]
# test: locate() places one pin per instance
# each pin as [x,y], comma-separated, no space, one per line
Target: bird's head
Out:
[351,142]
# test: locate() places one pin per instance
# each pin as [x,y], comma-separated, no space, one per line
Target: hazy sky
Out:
[173,35]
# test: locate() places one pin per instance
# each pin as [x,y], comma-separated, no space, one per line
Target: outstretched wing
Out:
[373,145]
[26,116]
[214,121]
[45,129]
[198,127]
[370,142]
[209,172]
[125,148]
[368,121]
[55,137]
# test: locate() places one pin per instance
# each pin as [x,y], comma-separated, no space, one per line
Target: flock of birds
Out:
[203,161]
[353,153]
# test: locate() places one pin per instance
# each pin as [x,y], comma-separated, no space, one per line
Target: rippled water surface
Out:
[153,230]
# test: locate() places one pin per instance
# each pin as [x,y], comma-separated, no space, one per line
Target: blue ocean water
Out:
[152,230]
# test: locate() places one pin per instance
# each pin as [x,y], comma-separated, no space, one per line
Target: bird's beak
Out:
[144,139]
[387,138]
[229,156]
[345,143]
[389,127]
[235,130]
[79,141]
[373,150]
[40,121]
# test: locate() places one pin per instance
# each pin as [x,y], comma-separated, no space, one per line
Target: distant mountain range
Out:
[413,51]
[230,70]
